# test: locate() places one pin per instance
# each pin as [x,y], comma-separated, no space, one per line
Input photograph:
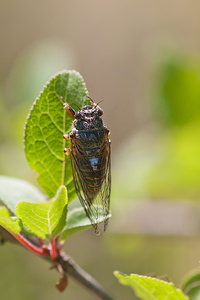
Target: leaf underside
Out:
[78,221]
[8,223]
[14,190]
[46,124]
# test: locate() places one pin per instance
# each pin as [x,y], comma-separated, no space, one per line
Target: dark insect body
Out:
[90,159]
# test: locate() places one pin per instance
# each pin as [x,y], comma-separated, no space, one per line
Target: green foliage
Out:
[45,127]
[164,164]
[78,221]
[178,91]
[44,144]
[14,190]
[12,225]
[45,219]
[175,173]
[191,285]
[148,288]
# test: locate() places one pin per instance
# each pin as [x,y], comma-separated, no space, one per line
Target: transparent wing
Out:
[93,192]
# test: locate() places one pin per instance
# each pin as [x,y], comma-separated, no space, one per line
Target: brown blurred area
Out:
[114,44]
[117,47]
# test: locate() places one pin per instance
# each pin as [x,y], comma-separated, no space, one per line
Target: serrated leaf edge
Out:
[116,273]
[51,200]
[64,71]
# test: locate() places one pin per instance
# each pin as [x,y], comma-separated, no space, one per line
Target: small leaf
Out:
[46,124]
[78,221]
[61,222]
[8,223]
[45,219]
[149,288]
[14,190]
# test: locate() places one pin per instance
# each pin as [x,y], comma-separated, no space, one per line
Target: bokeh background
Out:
[142,58]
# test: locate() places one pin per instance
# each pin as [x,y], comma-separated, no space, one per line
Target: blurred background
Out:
[142,58]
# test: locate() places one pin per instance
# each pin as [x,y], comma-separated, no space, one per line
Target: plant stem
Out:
[68,265]
[40,241]
[30,246]
[53,251]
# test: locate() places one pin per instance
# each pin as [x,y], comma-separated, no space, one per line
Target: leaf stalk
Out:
[37,250]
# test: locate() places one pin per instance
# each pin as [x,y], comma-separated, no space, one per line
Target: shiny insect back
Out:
[90,160]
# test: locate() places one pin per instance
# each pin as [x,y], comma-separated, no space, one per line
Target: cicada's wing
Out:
[104,194]
[92,187]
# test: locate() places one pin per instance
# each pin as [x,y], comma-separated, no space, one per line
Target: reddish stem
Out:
[59,245]
[53,250]
[30,246]
[40,241]
[57,240]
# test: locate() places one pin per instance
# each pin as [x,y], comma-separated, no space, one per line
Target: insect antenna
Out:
[95,104]
[76,105]
[90,99]
[98,103]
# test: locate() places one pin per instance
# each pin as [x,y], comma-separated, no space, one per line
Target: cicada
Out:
[90,153]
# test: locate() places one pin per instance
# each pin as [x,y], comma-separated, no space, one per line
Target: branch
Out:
[69,267]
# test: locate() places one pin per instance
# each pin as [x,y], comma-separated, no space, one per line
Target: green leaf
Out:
[46,124]
[8,223]
[78,221]
[149,288]
[45,219]
[14,190]
[191,285]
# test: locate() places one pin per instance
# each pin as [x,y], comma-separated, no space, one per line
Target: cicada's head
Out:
[89,112]
[88,117]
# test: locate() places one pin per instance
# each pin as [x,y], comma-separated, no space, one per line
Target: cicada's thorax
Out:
[90,133]
[89,130]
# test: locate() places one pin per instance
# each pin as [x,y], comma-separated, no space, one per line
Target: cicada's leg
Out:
[96,105]
[66,136]
[67,151]
[93,103]
[71,112]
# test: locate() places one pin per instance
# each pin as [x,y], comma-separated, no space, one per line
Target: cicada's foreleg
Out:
[96,105]
[93,103]
[71,112]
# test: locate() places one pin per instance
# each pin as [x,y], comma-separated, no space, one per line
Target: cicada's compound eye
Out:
[77,115]
[99,111]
